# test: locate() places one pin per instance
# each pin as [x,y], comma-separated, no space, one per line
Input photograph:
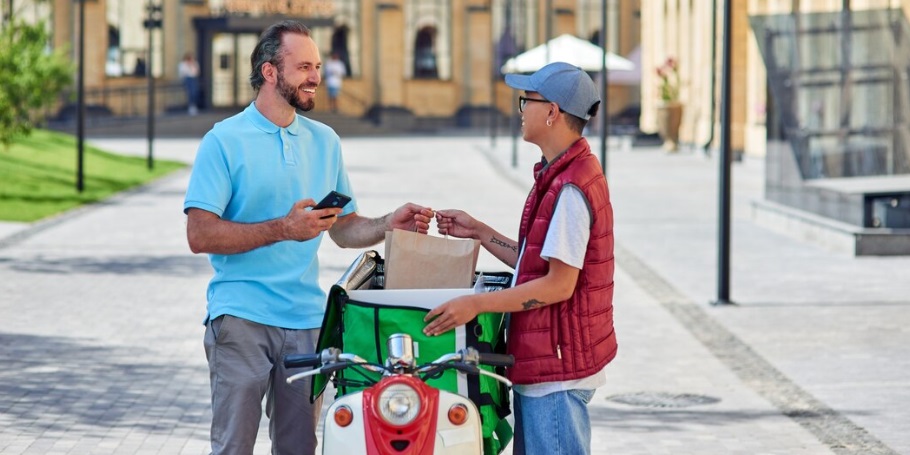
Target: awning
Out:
[569,49]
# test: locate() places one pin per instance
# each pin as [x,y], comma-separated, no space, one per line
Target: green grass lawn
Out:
[38,175]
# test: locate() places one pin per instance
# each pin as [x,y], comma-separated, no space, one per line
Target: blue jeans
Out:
[554,424]
[191,85]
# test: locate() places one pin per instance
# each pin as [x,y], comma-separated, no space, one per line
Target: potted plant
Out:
[669,111]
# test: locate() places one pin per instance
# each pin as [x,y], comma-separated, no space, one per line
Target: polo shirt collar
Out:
[266,125]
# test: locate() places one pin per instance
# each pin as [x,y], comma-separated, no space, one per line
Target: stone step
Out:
[183,125]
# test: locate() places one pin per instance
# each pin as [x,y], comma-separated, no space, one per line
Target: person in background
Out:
[188,70]
[560,328]
[334,75]
[249,206]
[139,69]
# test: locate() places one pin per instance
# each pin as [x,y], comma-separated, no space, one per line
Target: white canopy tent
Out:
[629,77]
[569,49]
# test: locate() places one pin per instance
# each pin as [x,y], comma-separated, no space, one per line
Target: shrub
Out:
[31,78]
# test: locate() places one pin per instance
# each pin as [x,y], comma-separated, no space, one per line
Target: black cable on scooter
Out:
[367,382]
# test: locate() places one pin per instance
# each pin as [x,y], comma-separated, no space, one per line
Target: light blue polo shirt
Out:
[249,170]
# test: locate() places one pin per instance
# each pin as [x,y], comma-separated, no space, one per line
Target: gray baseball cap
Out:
[564,84]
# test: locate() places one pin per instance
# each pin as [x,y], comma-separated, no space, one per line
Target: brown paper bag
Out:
[421,261]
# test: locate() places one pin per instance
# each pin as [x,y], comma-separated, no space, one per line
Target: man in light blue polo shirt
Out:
[249,206]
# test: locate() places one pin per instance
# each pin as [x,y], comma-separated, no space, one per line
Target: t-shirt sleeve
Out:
[570,228]
[210,182]
[343,184]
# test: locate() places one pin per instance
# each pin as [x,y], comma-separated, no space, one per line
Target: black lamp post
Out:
[80,103]
[725,161]
[152,22]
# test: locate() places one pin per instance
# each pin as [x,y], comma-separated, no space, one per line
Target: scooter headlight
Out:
[399,404]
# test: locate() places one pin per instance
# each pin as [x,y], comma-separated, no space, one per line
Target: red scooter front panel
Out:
[416,437]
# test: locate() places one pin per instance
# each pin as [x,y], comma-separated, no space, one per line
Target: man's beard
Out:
[292,95]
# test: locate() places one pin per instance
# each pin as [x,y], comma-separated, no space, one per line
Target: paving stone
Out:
[101,311]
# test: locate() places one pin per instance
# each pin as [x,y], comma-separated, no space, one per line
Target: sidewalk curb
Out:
[32,229]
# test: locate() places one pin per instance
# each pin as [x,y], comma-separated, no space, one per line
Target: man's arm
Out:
[208,233]
[355,231]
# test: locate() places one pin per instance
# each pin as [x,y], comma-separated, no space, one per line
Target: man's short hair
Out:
[268,49]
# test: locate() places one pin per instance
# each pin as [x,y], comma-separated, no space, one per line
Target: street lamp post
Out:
[725,164]
[80,103]
[494,109]
[151,23]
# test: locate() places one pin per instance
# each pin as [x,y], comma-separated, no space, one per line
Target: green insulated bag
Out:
[360,316]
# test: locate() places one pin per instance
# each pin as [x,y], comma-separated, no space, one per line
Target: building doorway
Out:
[230,68]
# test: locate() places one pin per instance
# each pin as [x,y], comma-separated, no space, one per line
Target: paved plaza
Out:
[101,311]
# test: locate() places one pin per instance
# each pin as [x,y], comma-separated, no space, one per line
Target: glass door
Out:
[231,69]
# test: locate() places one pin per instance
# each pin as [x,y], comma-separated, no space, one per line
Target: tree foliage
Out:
[31,77]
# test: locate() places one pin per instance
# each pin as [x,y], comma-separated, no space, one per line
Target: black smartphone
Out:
[333,199]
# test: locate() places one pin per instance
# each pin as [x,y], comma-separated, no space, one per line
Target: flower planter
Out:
[669,117]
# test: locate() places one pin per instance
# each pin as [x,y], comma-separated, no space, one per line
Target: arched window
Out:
[425,66]
[345,37]
[428,39]
[340,47]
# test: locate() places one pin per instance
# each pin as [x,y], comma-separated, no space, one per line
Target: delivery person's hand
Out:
[451,314]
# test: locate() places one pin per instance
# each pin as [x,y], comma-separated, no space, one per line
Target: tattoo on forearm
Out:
[496,241]
[533,303]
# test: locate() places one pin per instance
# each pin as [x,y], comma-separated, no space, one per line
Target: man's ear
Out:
[554,113]
[269,72]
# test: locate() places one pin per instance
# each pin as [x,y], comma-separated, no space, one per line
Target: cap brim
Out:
[520,82]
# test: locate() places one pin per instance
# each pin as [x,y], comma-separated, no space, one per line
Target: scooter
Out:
[400,414]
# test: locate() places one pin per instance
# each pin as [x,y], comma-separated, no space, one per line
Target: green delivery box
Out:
[360,316]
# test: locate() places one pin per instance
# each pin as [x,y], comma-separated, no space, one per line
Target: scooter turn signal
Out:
[458,414]
[343,416]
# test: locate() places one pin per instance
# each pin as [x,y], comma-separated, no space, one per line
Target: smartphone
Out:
[333,199]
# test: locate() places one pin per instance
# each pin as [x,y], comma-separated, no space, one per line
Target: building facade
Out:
[818,87]
[428,58]
[692,33]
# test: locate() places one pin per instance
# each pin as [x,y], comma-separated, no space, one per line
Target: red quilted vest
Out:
[572,339]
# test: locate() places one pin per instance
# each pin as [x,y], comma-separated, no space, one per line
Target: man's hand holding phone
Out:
[332,200]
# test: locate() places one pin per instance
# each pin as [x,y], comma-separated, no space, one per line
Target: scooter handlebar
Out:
[302,360]
[496,360]
[328,355]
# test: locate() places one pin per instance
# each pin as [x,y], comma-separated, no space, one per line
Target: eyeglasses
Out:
[523,101]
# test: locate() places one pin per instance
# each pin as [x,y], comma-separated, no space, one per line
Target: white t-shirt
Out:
[334,73]
[567,240]
[188,69]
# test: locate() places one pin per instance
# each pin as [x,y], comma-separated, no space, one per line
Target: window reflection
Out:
[838,86]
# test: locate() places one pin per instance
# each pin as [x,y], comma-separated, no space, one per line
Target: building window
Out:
[340,47]
[345,39]
[127,40]
[428,40]
[425,54]
[838,81]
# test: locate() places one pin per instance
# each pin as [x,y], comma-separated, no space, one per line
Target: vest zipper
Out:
[558,352]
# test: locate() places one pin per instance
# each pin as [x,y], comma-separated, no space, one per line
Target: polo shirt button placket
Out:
[286,146]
